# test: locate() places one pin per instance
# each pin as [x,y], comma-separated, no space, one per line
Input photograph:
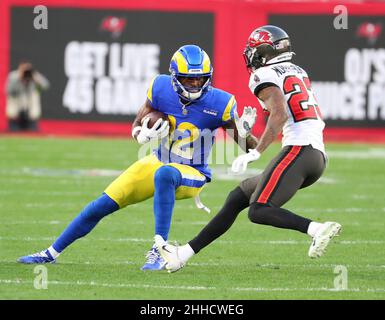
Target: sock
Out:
[185,252]
[236,201]
[313,228]
[85,221]
[53,252]
[277,217]
[166,180]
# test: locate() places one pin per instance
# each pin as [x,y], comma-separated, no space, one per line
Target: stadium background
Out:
[102,95]
[47,177]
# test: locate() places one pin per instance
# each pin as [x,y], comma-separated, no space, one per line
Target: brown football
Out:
[154,116]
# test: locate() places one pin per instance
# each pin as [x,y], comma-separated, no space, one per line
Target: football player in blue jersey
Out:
[178,168]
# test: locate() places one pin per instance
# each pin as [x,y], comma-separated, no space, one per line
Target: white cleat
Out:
[321,240]
[169,254]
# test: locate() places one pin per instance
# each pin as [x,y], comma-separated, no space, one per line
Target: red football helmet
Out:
[267,45]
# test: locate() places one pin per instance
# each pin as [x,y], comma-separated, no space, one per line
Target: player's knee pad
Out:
[258,212]
[167,175]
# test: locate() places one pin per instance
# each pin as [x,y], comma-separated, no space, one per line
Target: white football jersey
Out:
[304,125]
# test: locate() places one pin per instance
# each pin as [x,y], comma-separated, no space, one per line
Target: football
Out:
[154,116]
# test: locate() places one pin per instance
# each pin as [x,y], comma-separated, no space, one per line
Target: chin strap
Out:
[200,205]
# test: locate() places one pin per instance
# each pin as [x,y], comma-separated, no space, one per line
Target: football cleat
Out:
[170,255]
[326,232]
[154,260]
[37,258]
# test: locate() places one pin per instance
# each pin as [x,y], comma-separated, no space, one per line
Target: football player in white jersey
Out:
[284,91]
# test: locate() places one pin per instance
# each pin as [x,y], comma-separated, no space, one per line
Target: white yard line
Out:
[339,210]
[211,263]
[265,265]
[70,180]
[177,207]
[8,223]
[372,153]
[49,204]
[137,222]
[188,288]
[380,268]
[46,193]
[226,242]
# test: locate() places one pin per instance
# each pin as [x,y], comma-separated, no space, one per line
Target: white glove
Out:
[146,134]
[240,163]
[246,122]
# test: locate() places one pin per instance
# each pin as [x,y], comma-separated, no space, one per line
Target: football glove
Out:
[240,163]
[157,131]
[246,122]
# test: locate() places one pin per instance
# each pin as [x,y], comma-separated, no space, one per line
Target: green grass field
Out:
[45,182]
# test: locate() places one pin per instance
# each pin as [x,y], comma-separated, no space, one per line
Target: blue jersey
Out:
[192,126]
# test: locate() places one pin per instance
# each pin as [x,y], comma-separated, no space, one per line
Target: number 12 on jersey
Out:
[302,103]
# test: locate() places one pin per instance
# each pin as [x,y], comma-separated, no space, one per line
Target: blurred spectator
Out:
[24,87]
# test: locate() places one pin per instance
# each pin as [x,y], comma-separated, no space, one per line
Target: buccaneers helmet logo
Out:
[369,31]
[259,37]
[114,25]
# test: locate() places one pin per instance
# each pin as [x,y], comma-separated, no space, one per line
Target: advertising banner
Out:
[100,56]
[346,66]
[100,62]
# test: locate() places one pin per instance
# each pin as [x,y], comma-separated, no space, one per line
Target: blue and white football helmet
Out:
[192,62]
